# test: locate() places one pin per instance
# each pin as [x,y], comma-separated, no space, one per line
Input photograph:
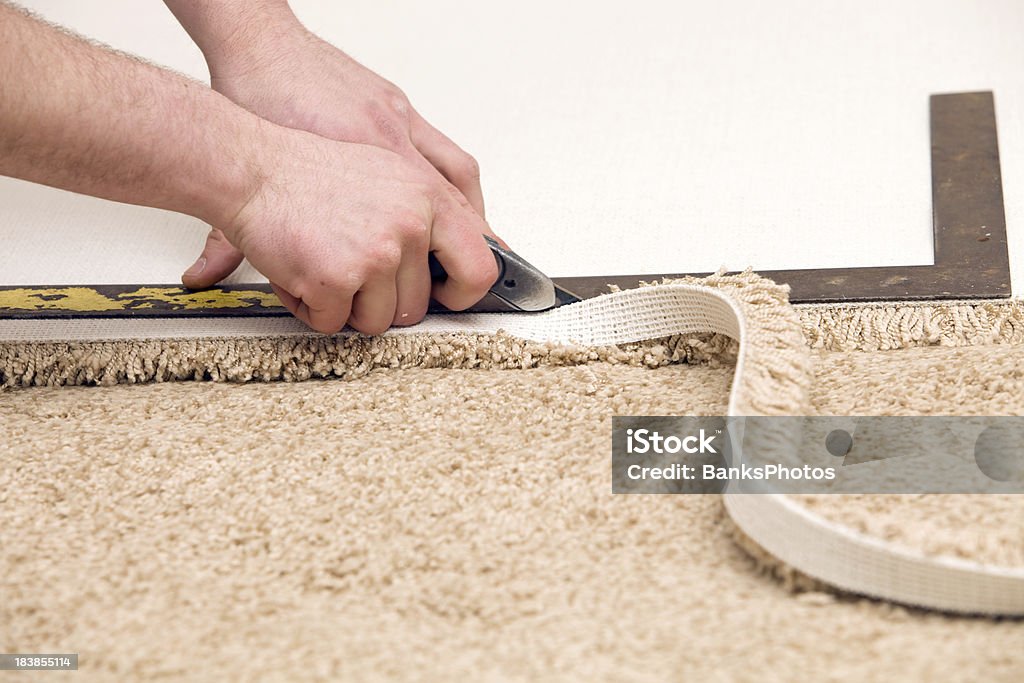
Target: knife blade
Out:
[520,287]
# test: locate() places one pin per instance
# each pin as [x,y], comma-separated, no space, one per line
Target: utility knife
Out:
[520,288]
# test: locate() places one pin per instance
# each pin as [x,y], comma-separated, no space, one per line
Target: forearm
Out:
[87,119]
[231,33]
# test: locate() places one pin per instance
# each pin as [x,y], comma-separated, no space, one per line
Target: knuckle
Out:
[469,167]
[398,101]
[413,230]
[347,281]
[385,256]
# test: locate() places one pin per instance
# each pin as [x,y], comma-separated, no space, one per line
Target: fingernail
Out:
[198,267]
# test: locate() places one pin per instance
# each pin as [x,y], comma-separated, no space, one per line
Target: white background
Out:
[616,138]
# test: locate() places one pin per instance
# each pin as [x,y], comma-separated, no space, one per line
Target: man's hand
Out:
[263,59]
[343,232]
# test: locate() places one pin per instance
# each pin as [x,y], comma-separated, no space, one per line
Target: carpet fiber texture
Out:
[454,520]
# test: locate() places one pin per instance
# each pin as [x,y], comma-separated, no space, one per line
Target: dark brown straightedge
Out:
[969,228]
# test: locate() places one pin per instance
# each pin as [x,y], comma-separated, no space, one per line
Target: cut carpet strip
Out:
[446,518]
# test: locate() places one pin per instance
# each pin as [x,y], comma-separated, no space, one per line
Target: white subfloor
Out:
[647,137]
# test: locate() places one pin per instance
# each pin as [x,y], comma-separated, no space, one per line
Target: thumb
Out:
[218,260]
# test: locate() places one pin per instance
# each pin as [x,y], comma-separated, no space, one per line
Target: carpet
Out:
[445,511]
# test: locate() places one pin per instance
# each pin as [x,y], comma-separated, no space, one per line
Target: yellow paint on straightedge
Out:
[85,299]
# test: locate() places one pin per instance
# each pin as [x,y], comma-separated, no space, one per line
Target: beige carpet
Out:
[432,523]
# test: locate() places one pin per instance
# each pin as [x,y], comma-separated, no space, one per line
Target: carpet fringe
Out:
[890,326]
[778,371]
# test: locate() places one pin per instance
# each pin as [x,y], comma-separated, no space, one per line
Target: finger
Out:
[287,299]
[457,242]
[373,307]
[326,312]
[452,161]
[413,287]
[218,260]
[497,239]
[459,199]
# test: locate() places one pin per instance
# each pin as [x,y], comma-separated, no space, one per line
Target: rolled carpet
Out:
[447,511]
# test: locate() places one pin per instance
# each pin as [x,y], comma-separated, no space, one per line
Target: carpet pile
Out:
[445,512]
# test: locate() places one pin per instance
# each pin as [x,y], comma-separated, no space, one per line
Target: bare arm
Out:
[341,230]
[228,29]
[83,118]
